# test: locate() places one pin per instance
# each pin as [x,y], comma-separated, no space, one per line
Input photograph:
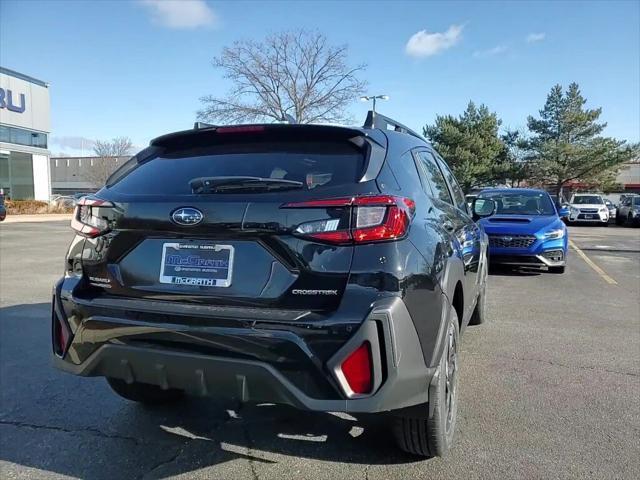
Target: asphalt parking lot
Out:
[550,388]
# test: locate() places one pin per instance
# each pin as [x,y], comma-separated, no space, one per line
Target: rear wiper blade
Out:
[234,183]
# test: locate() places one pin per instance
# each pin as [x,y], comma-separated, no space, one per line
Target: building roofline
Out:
[22,76]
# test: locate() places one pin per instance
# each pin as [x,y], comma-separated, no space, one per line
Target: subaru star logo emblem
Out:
[187,216]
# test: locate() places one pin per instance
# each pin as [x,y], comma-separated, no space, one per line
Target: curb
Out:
[56,217]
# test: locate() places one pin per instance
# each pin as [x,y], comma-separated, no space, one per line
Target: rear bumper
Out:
[401,377]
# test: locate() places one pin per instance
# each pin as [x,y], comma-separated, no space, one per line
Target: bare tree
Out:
[118,147]
[109,155]
[296,74]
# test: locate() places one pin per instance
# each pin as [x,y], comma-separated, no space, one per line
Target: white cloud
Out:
[425,44]
[536,37]
[74,143]
[492,52]
[180,13]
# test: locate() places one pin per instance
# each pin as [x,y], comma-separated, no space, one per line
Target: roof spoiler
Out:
[286,118]
[207,134]
[375,120]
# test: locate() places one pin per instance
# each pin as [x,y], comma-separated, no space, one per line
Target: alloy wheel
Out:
[451,376]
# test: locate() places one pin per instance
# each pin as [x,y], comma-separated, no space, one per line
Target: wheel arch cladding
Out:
[458,302]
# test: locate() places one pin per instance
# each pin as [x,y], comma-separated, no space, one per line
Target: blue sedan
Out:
[524,228]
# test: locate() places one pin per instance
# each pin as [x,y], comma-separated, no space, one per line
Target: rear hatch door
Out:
[203,218]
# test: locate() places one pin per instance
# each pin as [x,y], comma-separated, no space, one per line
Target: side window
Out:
[456,191]
[433,177]
[409,171]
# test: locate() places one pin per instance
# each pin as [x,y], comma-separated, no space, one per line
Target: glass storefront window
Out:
[5,181]
[16,175]
[20,136]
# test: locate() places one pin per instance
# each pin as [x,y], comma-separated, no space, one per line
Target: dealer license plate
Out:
[197,264]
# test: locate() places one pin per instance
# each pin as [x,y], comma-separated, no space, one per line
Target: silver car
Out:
[612,209]
[629,211]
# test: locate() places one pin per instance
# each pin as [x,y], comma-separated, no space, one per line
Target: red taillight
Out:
[375,218]
[85,221]
[339,236]
[357,369]
[397,220]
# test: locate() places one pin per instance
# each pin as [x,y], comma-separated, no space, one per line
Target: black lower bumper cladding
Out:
[402,377]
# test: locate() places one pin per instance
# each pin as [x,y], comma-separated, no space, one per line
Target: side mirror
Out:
[483,207]
[564,211]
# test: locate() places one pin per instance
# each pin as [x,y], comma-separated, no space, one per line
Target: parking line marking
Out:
[590,262]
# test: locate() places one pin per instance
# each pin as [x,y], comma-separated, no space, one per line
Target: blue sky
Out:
[138,68]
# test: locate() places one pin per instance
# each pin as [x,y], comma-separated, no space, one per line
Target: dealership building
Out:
[24,136]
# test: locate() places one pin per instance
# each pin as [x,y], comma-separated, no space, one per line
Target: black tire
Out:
[558,270]
[605,224]
[629,222]
[618,220]
[144,392]
[429,435]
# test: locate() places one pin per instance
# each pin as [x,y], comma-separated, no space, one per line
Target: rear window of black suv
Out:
[315,164]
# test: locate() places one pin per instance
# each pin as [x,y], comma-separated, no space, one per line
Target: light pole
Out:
[367,98]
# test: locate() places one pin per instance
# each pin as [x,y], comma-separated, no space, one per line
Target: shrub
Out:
[25,207]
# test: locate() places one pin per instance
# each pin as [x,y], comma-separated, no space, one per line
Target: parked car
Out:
[323,267]
[626,195]
[561,205]
[3,209]
[557,201]
[612,209]
[77,196]
[469,199]
[67,200]
[629,211]
[525,229]
[63,201]
[588,208]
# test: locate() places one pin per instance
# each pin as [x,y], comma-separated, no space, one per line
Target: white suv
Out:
[588,208]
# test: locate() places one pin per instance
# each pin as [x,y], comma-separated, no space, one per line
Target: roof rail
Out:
[201,125]
[375,120]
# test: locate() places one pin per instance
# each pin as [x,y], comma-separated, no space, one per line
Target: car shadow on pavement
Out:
[54,422]
[514,271]
[265,434]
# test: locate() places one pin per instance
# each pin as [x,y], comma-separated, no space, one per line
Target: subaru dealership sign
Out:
[24,102]
[6,101]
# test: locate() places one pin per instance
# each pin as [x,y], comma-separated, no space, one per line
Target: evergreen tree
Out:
[513,168]
[470,144]
[565,141]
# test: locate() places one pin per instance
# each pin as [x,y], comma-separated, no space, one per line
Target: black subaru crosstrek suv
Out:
[323,267]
